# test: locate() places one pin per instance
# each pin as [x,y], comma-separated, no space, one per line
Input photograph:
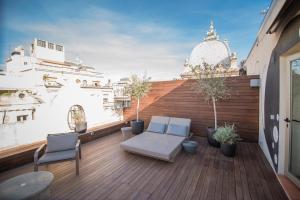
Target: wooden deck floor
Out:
[107,172]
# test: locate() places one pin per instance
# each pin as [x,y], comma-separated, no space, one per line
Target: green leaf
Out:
[226,134]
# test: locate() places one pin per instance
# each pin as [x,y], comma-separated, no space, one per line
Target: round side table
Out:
[33,185]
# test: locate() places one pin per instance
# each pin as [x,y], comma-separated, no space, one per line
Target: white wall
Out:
[52,117]
[48,54]
[257,64]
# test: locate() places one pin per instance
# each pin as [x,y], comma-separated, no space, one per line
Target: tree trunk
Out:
[137,109]
[215,112]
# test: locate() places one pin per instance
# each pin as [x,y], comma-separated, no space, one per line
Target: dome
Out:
[212,52]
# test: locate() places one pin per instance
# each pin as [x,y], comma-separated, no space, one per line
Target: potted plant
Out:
[228,138]
[80,123]
[137,89]
[211,84]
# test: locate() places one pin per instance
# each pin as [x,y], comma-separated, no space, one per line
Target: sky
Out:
[124,37]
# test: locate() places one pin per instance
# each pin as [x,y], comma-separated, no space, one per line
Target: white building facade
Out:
[59,87]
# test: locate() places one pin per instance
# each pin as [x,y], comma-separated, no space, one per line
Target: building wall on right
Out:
[277,40]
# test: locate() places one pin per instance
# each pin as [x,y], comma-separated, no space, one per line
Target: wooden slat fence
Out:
[178,99]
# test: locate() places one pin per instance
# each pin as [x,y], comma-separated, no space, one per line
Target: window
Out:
[50,45]
[15,53]
[41,43]
[21,118]
[105,100]
[59,48]
[75,115]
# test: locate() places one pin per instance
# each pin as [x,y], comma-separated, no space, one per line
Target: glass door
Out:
[294,146]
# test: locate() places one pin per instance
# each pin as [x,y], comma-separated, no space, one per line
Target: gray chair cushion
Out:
[176,129]
[61,142]
[57,156]
[156,127]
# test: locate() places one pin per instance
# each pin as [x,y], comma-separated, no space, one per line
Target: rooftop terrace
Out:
[108,172]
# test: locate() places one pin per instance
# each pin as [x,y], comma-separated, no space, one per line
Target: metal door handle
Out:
[287,120]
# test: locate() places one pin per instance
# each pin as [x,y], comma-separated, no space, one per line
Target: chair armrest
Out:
[37,152]
[77,145]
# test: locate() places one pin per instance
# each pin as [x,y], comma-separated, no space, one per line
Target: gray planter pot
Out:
[190,146]
[228,149]
[137,126]
[210,132]
[80,127]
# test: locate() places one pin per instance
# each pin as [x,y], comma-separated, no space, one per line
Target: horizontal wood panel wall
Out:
[178,99]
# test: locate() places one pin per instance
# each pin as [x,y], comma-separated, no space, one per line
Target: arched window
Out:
[75,115]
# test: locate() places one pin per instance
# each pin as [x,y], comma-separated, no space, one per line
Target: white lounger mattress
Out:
[161,146]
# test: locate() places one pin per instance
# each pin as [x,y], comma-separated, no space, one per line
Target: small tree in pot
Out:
[227,136]
[138,88]
[79,120]
[211,84]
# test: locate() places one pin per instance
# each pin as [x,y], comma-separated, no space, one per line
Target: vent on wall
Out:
[255,83]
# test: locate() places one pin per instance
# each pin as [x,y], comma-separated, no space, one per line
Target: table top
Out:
[25,185]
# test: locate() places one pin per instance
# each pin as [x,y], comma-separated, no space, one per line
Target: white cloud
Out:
[116,45]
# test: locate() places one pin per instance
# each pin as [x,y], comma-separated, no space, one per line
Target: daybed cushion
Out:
[156,127]
[56,156]
[160,119]
[161,146]
[182,122]
[61,142]
[178,130]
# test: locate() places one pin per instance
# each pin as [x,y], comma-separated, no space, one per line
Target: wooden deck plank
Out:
[259,172]
[237,177]
[225,185]
[194,168]
[200,182]
[177,184]
[219,178]
[209,176]
[163,188]
[268,175]
[254,170]
[252,186]
[107,172]
[243,174]
[203,151]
